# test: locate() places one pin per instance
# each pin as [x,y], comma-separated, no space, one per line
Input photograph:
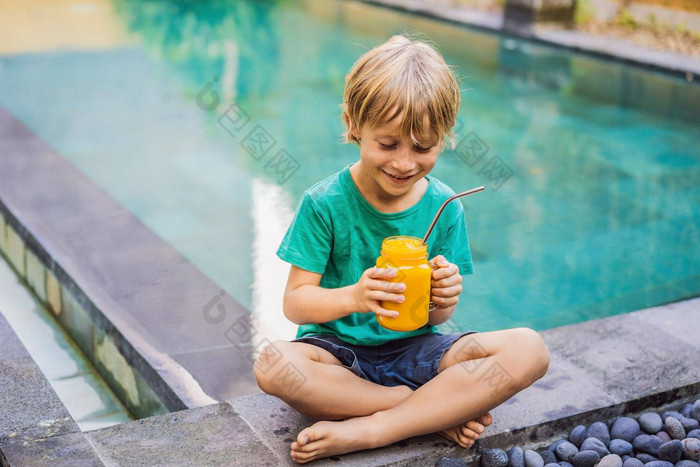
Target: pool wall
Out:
[94,334]
[131,303]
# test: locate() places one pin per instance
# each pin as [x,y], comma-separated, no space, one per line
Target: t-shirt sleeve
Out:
[308,241]
[455,246]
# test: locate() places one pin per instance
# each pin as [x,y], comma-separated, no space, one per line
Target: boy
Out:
[372,386]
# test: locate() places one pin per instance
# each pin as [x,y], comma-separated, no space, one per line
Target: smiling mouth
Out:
[396,179]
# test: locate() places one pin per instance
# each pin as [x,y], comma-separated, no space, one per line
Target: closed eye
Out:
[422,150]
[387,147]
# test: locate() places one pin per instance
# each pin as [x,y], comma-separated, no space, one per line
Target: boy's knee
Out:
[530,343]
[268,363]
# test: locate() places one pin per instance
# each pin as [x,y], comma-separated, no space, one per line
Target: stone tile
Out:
[77,323]
[564,391]
[278,425]
[127,384]
[29,407]
[679,319]
[213,368]
[53,293]
[15,250]
[36,275]
[57,451]
[11,348]
[629,358]
[210,435]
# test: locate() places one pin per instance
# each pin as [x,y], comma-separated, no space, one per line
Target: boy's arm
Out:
[305,302]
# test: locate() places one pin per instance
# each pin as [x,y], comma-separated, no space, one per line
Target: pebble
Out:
[671,413]
[632,462]
[624,428]
[566,451]
[515,457]
[648,444]
[450,462]
[671,451]
[625,457]
[585,459]
[674,427]
[578,434]
[689,424]
[665,437]
[494,458]
[565,464]
[694,434]
[599,430]
[594,444]
[556,444]
[691,449]
[651,422]
[686,410]
[533,459]
[548,456]
[644,457]
[551,465]
[658,464]
[687,463]
[695,411]
[620,447]
[611,460]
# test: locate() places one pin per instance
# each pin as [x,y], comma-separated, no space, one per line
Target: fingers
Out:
[449,281]
[447,292]
[381,273]
[384,312]
[446,271]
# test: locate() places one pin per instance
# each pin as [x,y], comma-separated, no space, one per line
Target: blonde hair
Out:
[401,77]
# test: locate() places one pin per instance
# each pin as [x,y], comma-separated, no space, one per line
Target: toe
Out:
[471,434]
[303,457]
[486,419]
[474,426]
[465,442]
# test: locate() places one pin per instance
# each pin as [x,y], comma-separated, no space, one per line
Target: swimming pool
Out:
[592,168]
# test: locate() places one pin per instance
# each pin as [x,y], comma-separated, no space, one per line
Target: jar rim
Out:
[394,250]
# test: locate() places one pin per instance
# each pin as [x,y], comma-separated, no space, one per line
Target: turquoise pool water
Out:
[592,168]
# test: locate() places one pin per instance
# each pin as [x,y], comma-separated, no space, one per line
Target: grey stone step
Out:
[210,435]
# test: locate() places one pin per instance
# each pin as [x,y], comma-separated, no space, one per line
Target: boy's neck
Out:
[380,199]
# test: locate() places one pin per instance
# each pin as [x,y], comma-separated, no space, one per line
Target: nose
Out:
[403,162]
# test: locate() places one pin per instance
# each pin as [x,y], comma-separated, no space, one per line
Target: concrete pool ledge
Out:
[600,46]
[133,304]
[600,369]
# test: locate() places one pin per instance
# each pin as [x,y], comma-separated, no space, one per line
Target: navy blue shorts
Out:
[412,361]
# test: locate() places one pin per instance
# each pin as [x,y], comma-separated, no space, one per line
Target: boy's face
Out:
[395,163]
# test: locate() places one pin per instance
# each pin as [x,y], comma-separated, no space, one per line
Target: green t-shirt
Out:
[336,232]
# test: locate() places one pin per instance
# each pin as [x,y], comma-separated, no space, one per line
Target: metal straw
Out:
[442,208]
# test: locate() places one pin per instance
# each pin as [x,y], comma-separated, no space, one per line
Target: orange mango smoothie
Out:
[410,258]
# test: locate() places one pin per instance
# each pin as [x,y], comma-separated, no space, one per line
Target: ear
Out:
[351,128]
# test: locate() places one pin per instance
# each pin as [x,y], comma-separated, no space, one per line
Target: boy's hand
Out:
[373,288]
[446,284]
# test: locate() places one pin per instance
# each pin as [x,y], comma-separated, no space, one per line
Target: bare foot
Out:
[466,434]
[324,439]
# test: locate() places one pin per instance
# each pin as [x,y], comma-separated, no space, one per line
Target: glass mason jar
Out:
[410,258]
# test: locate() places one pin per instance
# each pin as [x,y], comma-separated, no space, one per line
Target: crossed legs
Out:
[479,372]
